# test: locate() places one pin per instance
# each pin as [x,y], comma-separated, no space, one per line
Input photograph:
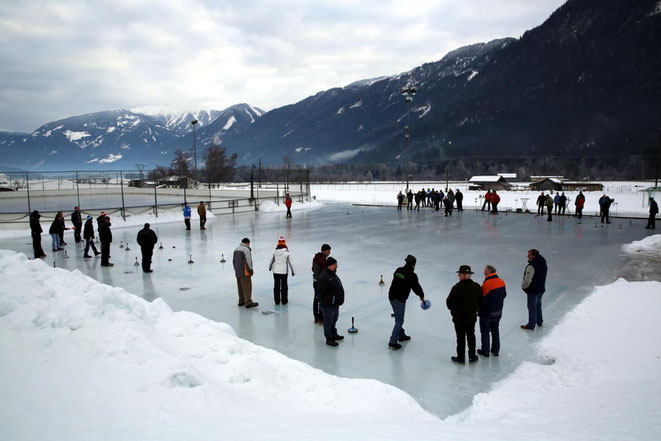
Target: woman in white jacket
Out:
[280,265]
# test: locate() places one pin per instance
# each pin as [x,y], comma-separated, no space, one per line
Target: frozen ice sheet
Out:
[368,242]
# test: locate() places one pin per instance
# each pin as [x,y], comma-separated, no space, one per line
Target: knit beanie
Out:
[330,261]
[281,241]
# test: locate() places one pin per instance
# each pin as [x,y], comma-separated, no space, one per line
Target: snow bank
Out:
[272,207]
[116,220]
[650,244]
[83,360]
[596,376]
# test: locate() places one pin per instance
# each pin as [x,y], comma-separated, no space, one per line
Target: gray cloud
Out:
[67,58]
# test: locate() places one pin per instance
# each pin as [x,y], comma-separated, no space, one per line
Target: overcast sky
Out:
[69,57]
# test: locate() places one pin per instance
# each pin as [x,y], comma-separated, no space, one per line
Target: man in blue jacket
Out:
[534,285]
[187,215]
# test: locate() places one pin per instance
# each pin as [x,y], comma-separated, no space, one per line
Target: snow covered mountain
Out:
[112,139]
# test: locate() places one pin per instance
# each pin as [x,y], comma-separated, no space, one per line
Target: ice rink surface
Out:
[368,242]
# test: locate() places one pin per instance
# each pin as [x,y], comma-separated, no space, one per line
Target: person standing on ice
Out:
[409,204]
[187,211]
[400,200]
[36,230]
[146,239]
[541,202]
[202,212]
[487,201]
[403,281]
[491,310]
[243,270]
[280,264]
[654,210]
[549,208]
[318,265]
[88,235]
[459,196]
[288,203]
[105,237]
[495,200]
[63,229]
[55,231]
[605,205]
[580,203]
[463,303]
[534,285]
[77,222]
[563,204]
[331,296]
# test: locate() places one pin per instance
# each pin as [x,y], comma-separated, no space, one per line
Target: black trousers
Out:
[36,245]
[651,222]
[89,243]
[550,215]
[540,209]
[494,207]
[604,214]
[76,232]
[486,204]
[316,305]
[288,212]
[465,332]
[460,206]
[105,253]
[187,222]
[280,289]
[203,221]
[146,258]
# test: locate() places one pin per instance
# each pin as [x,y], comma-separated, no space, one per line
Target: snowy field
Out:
[83,360]
[630,199]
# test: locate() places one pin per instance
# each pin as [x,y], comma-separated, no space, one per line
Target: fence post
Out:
[77,190]
[121,186]
[277,193]
[308,186]
[155,201]
[27,185]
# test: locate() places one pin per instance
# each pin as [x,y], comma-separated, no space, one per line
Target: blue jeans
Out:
[397,331]
[331,313]
[535,310]
[56,241]
[490,326]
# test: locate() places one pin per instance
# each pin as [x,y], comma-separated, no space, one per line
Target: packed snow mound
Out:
[79,357]
[593,378]
[651,244]
[272,207]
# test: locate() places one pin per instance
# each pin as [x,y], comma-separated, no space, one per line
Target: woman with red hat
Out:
[280,265]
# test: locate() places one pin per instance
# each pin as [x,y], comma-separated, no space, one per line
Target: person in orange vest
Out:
[487,201]
[491,311]
[288,203]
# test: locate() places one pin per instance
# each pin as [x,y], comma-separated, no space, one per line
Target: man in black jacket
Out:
[35,228]
[60,217]
[654,210]
[534,285]
[463,303]
[331,295]
[146,239]
[55,232]
[88,235]
[403,281]
[105,236]
[77,222]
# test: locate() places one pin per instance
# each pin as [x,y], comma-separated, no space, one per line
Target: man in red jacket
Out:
[288,203]
[487,201]
[495,199]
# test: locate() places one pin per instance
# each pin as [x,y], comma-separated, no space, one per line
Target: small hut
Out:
[489,183]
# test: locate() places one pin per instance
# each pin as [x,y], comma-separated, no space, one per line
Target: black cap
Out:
[411,260]
[325,247]
[465,269]
[245,240]
[330,261]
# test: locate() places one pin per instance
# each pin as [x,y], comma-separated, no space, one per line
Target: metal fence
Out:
[129,193]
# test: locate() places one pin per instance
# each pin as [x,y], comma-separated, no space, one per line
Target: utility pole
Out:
[194,122]
[409,93]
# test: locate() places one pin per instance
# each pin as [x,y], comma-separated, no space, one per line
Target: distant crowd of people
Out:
[557,204]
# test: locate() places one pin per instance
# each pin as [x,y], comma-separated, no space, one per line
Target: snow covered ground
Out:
[83,360]
[630,200]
